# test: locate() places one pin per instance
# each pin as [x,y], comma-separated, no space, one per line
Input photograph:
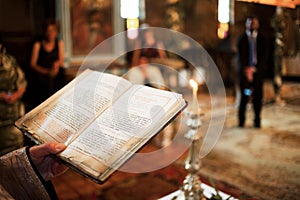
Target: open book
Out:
[103,120]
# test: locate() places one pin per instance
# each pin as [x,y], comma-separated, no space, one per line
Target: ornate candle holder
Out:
[191,188]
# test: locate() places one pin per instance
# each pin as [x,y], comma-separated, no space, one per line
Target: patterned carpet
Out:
[263,163]
[146,186]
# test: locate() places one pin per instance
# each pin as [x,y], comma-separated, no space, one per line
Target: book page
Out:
[69,111]
[117,133]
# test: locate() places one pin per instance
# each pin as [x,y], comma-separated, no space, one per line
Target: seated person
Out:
[25,173]
[148,46]
[146,74]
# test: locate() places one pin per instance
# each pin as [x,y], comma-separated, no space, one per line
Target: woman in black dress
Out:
[46,61]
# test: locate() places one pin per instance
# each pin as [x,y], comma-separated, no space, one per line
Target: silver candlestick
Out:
[191,187]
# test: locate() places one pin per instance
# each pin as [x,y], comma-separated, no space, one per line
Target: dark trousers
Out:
[256,97]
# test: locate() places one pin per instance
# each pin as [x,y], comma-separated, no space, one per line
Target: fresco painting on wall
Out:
[91,24]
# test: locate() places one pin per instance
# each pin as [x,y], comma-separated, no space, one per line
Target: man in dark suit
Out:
[251,60]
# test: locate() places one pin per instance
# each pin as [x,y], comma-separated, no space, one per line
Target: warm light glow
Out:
[132,26]
[194,84]
[194,104]
[223,30]
[130,9]
[281,3]
[224,11]
[132,23]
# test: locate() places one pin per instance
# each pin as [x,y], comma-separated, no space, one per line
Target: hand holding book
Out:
[102,119]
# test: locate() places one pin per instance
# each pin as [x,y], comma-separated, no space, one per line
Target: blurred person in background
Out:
[251,60]
[47,59]
[148,46]
[146,74]
[12,88]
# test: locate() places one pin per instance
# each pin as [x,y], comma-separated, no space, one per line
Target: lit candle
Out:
[194,105]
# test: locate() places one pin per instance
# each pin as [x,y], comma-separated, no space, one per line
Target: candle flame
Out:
[194,84]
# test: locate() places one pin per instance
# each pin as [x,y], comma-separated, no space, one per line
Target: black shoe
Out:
[257,122]
[257,125]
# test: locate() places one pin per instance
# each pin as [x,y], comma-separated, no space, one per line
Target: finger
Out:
[46,149]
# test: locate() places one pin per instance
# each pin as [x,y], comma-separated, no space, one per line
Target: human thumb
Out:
[59,147]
